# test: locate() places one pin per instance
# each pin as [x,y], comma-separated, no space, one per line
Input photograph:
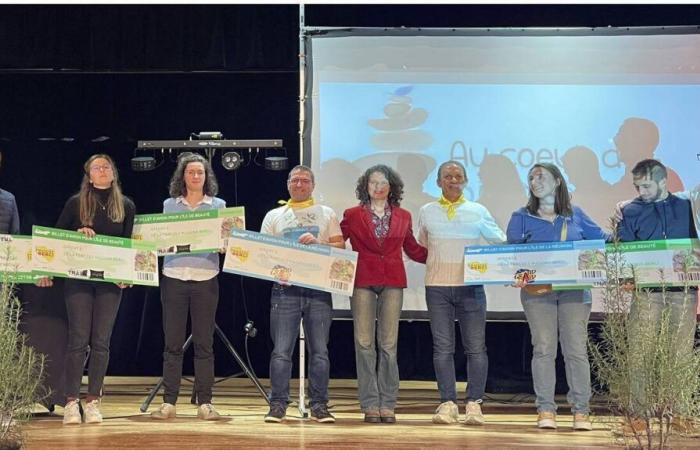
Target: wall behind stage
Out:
[162,72]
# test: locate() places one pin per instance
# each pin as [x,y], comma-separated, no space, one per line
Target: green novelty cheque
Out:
[69,254]
[189,231]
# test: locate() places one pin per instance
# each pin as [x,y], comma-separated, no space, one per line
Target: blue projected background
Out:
[592,105]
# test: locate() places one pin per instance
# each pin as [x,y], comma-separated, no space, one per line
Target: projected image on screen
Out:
[593,105]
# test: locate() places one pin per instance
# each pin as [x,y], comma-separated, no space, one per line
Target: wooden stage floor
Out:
[510,423]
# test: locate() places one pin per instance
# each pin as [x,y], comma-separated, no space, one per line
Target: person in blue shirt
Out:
[9,216]
[190,285]
[555,315]
[657,214]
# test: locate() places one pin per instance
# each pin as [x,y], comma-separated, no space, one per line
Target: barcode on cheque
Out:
[339,285]
[592,274]
[145,276]
[690,276]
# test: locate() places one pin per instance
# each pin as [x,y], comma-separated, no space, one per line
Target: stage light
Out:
[276,163]
[209,135]
[143,163]
[231,160]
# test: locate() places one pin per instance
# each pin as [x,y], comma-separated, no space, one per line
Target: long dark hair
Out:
[177,182]
[87,198]
[395,185]
[562,198]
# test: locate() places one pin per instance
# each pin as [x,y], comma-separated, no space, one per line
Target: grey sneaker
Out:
[372,415]
[166,411]
[92,412]
[320,414]
[276,414]
[71,413]
[474,415]
[446,413]
[206,411]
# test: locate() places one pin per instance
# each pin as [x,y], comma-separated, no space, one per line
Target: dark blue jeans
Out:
[467,304]
[288,305]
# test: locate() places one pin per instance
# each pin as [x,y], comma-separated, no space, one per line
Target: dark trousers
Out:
[92,308]
[200,299]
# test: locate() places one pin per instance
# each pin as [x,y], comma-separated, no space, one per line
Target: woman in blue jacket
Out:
[555,315]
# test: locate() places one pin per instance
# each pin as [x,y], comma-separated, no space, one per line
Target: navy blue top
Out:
[671,218]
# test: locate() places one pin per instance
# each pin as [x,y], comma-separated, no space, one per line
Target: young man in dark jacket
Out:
[657,214]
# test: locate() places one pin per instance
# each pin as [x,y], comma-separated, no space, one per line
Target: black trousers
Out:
[92,308]
[200,299]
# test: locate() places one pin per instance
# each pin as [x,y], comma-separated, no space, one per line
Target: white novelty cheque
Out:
[286,261]
[565,262]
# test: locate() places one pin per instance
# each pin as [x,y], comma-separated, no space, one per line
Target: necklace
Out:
[102,205]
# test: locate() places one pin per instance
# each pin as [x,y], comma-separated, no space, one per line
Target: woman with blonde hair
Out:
[98,208]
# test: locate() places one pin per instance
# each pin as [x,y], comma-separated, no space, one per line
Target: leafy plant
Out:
[644,361]
[21,370]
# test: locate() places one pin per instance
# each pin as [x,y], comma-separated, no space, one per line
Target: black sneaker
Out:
[276,414]
[321,415]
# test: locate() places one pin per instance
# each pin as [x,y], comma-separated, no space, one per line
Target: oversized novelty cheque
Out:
[69,254]
[672,262]
[189,231]
[566,262]
[287,261]
[16,259]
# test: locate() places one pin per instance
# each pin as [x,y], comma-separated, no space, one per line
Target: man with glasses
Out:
[308,223]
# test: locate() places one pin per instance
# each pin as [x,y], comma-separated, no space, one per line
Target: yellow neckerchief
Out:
[451,207]
[297,205]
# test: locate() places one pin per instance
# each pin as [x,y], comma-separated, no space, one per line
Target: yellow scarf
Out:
[297,205]
[451,207]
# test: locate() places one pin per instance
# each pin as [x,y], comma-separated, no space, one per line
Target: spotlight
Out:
[276,163]
[143,163]
[249,329]
[209,135]
[231,160]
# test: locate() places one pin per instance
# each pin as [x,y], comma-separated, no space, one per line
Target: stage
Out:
[510,423]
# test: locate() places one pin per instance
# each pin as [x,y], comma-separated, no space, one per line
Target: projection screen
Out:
[594,102]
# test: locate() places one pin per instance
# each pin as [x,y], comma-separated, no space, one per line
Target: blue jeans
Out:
[377,384]
[561,316]
[468,305]
[288,304]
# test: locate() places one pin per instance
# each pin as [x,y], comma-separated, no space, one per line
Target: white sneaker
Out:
[166,411]
[446,413]
[582,422]
[474,415]
[547,420]
[71,413]
[206,411]
[92,412]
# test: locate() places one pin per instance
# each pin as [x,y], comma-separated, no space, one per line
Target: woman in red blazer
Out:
[379,230]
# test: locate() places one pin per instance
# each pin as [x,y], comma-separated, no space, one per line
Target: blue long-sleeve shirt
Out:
[524,227]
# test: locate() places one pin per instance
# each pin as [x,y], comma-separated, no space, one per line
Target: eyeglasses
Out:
[300,180]
[379,183]
[105,168]
[194,173]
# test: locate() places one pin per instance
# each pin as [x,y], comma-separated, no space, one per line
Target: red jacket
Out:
[381,264]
